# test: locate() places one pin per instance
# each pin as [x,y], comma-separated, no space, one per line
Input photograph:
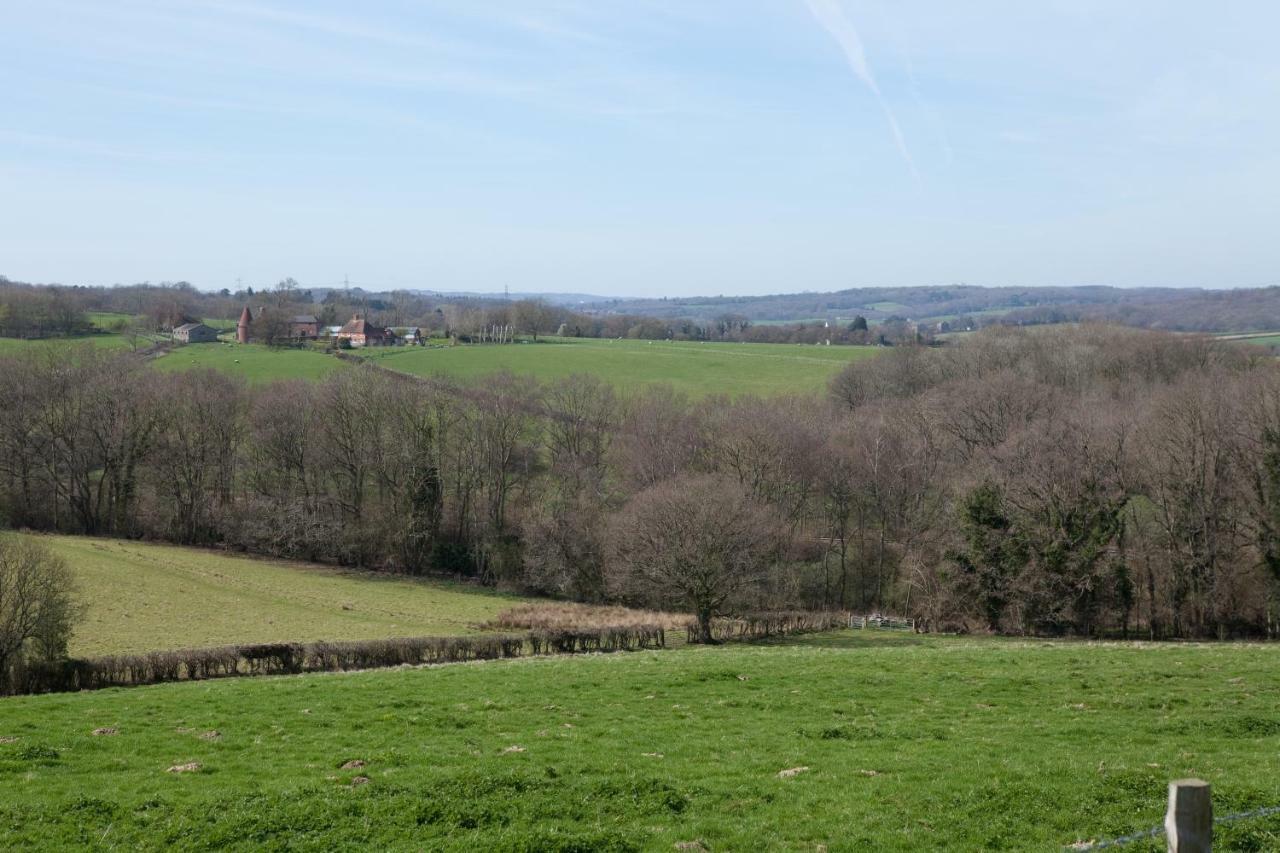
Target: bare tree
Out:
[695,541]
[271,327]
[196,449]
[582,415]
[660,436]
[1188,463]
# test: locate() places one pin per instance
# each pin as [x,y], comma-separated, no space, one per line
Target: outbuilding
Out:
[195,333]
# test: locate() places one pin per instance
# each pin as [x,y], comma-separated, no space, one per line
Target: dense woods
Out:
[1088,480]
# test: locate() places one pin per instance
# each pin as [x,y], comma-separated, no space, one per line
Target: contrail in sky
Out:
[831,16]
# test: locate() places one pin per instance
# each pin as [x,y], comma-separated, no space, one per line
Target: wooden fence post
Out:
[1189,821]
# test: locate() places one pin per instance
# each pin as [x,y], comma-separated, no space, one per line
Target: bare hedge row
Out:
[754,626]
[613,639]
[291,658]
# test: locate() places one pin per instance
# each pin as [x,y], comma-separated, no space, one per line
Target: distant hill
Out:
[1183,309]
[569,300]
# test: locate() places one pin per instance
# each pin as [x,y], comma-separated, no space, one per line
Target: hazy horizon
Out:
[641,150]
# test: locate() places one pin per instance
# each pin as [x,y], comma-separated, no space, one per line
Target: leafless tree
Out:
[693,541]
[197,444]
[660,436]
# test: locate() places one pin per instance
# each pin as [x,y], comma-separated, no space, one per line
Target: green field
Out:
[255,362]
[909,743]
[1267,340]
[10,345]
[144,597]
[696,368]
[890,307]
[106,319]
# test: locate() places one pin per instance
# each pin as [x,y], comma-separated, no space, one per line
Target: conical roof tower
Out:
[242,328]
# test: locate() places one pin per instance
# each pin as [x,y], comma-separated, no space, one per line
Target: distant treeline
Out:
[1254,310]
[39,312]
[963,306]
[1085,480]
[36,311]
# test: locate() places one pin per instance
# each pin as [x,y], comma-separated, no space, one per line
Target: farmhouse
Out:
[359,332]
[304,326]
[194,333]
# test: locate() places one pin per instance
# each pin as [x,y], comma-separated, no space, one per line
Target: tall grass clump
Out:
[572,616]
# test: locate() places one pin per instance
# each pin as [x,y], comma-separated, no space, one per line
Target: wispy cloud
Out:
[90,148]
[908,66]
[339,26]
[831,16]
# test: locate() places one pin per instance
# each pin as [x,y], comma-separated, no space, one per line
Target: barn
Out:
[195,333]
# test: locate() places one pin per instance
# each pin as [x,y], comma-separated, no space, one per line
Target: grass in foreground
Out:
[696,368]
[907,743]
[144,597]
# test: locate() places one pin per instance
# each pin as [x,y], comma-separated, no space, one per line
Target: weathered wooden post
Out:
[1189,821]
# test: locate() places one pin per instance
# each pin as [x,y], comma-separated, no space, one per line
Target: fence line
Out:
[1189,821]
[778,623]
[877,620]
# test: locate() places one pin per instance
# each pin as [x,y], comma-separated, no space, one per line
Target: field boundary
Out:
[1188,822]
[232,661]
[297,658]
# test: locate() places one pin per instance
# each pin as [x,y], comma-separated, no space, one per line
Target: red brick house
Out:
[304,326]
[359,332]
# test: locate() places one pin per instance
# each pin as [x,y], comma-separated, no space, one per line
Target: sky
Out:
[644,148]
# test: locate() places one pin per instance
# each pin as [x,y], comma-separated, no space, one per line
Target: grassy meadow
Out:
[144,597]
[257,363]
[888,742]
[695,368]
[1266,340]
[698,369]
[10,345]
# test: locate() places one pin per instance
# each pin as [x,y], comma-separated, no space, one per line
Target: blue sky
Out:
[647,147]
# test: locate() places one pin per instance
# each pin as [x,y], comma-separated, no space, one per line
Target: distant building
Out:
[195,333]
[359,332]
[304,326]
[411,336]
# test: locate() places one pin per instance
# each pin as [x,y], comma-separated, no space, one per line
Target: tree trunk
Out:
[704,626]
